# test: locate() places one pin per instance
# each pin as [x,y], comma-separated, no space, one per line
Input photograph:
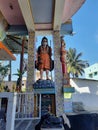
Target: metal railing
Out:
[28,107]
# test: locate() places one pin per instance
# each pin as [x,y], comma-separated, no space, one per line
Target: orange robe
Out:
[63,60]
[44,58]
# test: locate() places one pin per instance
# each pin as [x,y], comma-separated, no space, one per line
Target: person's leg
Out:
[41,74]
[47,74]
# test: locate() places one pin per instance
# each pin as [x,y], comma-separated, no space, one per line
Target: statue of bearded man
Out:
[43,61]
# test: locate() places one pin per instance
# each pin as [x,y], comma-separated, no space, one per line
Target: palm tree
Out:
[75,66]
[19,80]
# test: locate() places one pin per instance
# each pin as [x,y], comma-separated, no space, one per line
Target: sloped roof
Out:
[5,53]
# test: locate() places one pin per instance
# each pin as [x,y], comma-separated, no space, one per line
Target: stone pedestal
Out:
[39,84]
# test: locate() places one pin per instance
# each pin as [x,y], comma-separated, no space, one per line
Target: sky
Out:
[85,26]
[85,39]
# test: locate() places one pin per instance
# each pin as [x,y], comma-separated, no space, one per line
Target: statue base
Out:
[42,84]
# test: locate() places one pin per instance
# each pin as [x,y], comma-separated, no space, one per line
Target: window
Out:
[95,73]
[91,75]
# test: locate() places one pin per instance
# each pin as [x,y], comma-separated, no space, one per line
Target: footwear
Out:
[47,79]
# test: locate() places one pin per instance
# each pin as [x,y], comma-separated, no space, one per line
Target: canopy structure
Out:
[42,17]
[5,53]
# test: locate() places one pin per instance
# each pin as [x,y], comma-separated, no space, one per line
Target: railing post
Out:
[11,109]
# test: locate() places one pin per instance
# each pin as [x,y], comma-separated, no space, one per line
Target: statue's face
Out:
[44,42]
[63,43]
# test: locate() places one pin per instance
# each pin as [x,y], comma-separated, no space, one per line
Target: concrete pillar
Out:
[11,110]
[31,62]
[58,74]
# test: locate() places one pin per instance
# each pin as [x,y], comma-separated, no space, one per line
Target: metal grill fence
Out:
[26,106]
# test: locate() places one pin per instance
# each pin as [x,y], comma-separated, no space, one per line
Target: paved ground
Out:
[2,125]
[19,124]
[2,122]
[87,121]
[25,124]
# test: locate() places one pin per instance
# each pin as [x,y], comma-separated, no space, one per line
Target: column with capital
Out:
[31,62]
[58,74]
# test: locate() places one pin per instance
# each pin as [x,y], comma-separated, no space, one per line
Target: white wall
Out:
[11,108]
[86,91]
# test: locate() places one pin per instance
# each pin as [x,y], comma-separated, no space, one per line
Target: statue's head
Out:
[63,44]
[44,41]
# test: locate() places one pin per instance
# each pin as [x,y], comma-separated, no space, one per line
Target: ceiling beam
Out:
[26,10]
[58,11]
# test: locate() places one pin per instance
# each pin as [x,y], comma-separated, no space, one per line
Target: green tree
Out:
[75,66]
[3,71]
[19,80]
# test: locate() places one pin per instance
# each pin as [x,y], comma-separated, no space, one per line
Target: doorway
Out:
[48,103]
[44,103]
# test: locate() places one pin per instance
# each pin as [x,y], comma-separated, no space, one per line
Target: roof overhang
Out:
[19,17]
[35,15]
[5,53]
